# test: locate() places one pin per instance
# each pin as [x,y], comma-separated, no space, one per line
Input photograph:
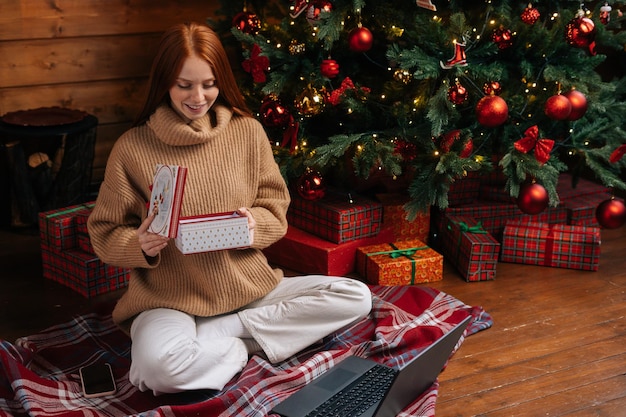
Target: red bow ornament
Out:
[542,147]
[256,65]
[617,154]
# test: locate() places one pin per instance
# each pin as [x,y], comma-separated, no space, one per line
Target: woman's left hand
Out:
[242,211]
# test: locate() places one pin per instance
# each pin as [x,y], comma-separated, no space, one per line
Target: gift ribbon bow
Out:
[256,65]
[396,253]
[531,140]
[477,228]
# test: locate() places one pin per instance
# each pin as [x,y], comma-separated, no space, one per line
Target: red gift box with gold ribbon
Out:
[405,262]
[555,245]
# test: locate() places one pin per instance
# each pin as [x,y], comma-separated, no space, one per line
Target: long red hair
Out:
[177,44]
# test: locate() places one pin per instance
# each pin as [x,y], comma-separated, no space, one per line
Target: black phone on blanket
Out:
[97,380]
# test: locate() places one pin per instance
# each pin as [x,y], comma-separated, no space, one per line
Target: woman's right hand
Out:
[151,243]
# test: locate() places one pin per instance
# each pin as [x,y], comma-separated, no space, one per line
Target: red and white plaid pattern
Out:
[39,373]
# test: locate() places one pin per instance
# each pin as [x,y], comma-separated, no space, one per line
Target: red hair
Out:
[177,44]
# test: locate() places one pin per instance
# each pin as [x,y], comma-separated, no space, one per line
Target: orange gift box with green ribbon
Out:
[405,262]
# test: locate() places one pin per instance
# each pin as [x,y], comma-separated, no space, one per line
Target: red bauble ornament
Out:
[502,37]
[360,39]
[533,198]
[581,33]
[492,111]
[273,113]
[311,186]
[558,107]
[247,22]
[578,102]
[530,15]
[457,94]
[329,68]
[611,213]
[492,88]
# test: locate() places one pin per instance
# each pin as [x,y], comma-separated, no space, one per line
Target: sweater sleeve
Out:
[118,212]
[272,198]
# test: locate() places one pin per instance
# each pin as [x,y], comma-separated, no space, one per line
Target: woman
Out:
[194,319]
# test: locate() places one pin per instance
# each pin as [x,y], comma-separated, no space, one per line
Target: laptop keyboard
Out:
[357,397]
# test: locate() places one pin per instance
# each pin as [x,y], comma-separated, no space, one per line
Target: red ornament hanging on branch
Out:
[459,59]
[329,68]
[502,37]
[275,115]
[492,88]
[247,23]
[580,32]
[360,39]
[311,185]
[492,111]
[558,107]
[316,7]
[579,104]
[533,198]
[457,94]
[530,15]
[531,141]
[611,213]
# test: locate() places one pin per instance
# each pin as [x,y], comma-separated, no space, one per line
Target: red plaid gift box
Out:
[470,248]
[57,227]
[338,217]
[82,272]
[395,216]
[493,192]
[567,189]
[494,216]
[464,190]
[304,252]
[582,209]
[556,245]
[82,234]
[405,262]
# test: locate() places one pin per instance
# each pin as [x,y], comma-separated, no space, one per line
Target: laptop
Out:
[358,387]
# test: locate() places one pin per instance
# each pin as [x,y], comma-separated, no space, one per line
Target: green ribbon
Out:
[477,228]
[396,253]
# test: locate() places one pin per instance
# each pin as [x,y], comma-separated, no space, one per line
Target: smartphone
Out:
[97,380]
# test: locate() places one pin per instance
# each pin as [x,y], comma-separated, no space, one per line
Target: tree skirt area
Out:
[40,372]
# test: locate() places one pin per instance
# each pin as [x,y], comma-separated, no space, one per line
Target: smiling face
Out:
[195,90]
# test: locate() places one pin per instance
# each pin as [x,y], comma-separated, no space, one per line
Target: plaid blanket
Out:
[40,372]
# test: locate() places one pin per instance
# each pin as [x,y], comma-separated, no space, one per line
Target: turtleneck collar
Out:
[171,129]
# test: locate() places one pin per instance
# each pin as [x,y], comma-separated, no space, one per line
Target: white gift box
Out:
[212,232]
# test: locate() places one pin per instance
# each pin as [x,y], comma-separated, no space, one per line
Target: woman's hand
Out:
[242,211]
[151,243]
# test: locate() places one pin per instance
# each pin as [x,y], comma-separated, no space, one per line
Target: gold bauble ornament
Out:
[309,102]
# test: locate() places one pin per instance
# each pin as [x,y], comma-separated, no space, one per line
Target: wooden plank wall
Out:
[91,55]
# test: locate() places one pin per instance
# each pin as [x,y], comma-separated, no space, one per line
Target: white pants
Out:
[173,351]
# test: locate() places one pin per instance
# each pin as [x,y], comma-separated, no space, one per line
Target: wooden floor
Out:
[557,348]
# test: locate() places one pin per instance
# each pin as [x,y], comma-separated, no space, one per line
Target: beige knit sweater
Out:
[230,165]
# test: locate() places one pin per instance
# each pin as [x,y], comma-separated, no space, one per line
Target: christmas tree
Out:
[415,96]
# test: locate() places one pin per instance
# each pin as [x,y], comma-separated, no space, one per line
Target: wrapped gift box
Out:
[464,190]
[82,234]
[212,232]
[395,216]
[495,192]
[57,228]
[470,248]
[82,272]
[304,252]
[566,188]
[337,217]
[494,216]
[405,262]
[556,245]
[581,210]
